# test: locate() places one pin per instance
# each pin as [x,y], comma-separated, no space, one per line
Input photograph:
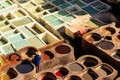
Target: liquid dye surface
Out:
[24,68]
[26,31]
[61,13]
[22,21]
[6,4]
[45,57]
[78,3]
[16,38]
[75,67]
[90,10]
[56,23]
[20,44]
[63,49]
[50,18]
[34,41]
[68,18]
[19,14]
[106,45]
[8,48]
[40,1]
[29,5]
[56,2]
[65,5]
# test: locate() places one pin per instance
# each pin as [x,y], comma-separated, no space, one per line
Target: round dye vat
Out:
[96,36]
[49,76]
[12,73]
[47,55]
[75,67]
[24,68]
[90,62]
[111,30]
[14,58]
[62,72]
[63,49]
[106,45]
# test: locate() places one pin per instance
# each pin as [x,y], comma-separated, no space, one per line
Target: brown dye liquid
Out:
[75,67]
[49,76]
[63,49]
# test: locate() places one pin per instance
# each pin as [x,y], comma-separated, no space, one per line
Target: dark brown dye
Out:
[63,71]
[24,68]
[90,62]
[96,36]
[12,73]
[75,67]
[74,77]
[108,38]
[107,69]
[49,76]
[31,51]
[118,36]
[63,49]
[117,55]
[106,45]
[112,30]
[90,75]
[117,24]
[47,55]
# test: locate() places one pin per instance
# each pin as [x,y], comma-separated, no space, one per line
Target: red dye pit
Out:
[58,74]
